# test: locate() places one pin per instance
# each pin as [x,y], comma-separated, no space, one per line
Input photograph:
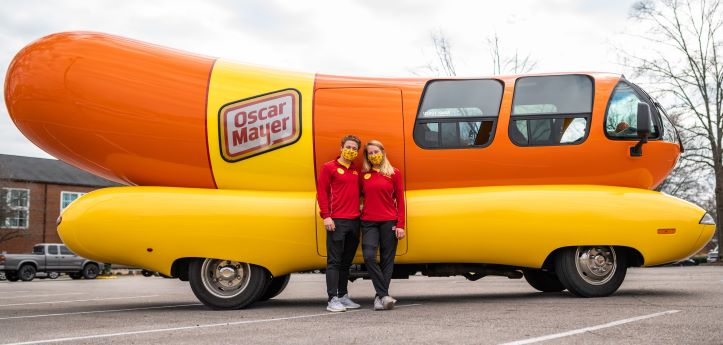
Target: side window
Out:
[18,206]
[38,250]
[458,113]
[53,250]
[65,251]
[670,134]
[621,117]
[551,110]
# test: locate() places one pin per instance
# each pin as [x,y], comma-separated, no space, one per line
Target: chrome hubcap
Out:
[596,265]
[224,278]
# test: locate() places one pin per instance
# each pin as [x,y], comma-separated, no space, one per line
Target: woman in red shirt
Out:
[382,219]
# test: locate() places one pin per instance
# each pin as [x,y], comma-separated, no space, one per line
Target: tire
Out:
[147,273]
[12,277]
[26,272]
[543,281]
[276,286]
[90,271]
[76,275]
[53,275]
[224,284]
[591,271]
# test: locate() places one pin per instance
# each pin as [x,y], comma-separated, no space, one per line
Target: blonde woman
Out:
[382,219]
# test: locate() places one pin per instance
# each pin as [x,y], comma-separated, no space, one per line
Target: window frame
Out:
[551,116]
[6,224]
[68,192]
[419,120]
[653,112]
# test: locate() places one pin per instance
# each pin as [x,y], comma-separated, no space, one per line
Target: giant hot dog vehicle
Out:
[549,177]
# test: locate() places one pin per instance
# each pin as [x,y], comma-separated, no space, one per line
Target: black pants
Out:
[341,245]
[379,235]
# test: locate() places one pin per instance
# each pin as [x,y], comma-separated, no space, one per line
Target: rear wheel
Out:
[543,280]
[53,275]
[76,275]
[90,271]
[26,272]
[12,276]
[276,286]
[225,284]
[591,271]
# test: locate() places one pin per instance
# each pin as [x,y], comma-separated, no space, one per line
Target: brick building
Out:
[35,190]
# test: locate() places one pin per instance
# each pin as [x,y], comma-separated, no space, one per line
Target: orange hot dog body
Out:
[131,112]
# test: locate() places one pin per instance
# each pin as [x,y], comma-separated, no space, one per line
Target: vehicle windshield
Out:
[38,250]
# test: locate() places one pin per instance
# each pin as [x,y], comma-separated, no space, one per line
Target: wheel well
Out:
[30,263]
[179,268]
[635,258]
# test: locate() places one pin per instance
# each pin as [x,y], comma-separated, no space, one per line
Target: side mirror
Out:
[643,129]
[643,120]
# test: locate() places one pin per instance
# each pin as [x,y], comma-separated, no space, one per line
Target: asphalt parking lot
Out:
[668,305]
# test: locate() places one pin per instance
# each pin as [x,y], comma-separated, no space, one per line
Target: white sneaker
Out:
[335,305]
[348,303]
[378,303]
[388,302]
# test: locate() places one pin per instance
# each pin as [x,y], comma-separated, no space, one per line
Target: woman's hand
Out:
[399,232]
[329,224]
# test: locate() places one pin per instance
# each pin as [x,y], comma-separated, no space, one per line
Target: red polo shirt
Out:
[383,197]
[337,190]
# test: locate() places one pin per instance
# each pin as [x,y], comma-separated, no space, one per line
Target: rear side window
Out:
[53,250]
[551,110]
[65,251]
[458,113]
[38,250]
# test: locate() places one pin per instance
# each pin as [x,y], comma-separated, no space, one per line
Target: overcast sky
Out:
[345,37]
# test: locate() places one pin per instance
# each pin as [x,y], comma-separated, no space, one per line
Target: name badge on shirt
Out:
[340,171]
[367,176]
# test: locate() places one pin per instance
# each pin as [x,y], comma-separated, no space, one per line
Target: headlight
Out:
[707,219]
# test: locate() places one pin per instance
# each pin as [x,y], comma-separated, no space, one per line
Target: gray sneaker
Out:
[335,305]
[388,302]
[348,303]
[378,303]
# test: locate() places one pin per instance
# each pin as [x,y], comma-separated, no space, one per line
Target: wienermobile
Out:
[547,176]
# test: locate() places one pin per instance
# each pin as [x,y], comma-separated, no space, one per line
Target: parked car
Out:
[48,259]
[713,255]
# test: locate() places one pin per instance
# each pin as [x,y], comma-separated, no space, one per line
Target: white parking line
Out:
[159,330]
[77,300]
[17,291]
[57,294]
[100,311]
[589,329]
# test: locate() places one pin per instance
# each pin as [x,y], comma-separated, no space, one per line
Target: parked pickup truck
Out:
[51,258]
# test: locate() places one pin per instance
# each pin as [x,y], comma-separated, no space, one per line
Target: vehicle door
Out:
[69,260]
[52,258]
[369,113]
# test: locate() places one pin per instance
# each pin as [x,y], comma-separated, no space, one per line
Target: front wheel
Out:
[591,271]
[543,280]
[12,276]
[225,284]
[90,271]
[26,273]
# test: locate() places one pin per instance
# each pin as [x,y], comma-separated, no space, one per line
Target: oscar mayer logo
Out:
[259,124]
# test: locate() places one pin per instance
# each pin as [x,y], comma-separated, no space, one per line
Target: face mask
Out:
[376,159]
[349,154]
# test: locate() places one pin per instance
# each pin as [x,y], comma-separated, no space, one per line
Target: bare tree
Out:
[683,58]
[443,64]
[502,64]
